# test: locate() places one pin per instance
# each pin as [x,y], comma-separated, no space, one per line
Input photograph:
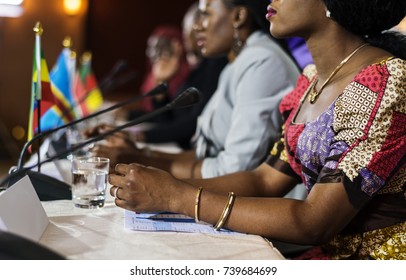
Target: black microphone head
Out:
[162,88]
[107,82]
[187,98]
[120,66]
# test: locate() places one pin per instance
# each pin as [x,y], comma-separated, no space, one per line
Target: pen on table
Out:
[167,219]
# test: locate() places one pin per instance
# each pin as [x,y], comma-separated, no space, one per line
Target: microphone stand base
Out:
[47,187]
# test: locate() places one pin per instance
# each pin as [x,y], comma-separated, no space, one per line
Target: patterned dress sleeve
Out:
[278,158]
[368,151]
[281,156]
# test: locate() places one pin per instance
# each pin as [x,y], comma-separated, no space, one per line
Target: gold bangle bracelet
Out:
[226,211]
[197,201]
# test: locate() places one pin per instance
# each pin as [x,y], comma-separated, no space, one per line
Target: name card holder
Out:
[21,211]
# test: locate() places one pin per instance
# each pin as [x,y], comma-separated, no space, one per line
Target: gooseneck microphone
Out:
[187,98]
[116,78]
[119,67]
[45,184]
[158,89]
[106,85]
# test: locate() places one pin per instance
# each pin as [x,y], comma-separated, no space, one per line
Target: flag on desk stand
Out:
[86,91]
[42,98]
[61,77]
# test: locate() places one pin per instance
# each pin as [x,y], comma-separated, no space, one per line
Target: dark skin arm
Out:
[120,147]
[255,211]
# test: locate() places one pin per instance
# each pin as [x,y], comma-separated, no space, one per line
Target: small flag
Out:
[42,98]
[87,94]
[61,78]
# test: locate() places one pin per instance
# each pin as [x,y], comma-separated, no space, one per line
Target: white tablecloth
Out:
[99,234]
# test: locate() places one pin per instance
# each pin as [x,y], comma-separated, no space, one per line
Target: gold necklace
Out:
[313,93]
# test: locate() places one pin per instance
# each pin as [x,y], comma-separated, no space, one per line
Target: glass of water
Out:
[89,181]
[74,138]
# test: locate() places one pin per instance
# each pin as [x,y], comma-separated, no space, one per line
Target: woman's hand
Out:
[118,147]
[145,189]
[118,139]
[116,154]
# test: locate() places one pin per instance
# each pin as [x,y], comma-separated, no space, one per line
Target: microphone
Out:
[49,188]
[118,82]
[119,67]
[112,81]
[187,98]
[155,91]
[107,84]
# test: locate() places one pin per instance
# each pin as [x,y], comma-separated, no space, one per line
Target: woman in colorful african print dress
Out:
[344,138]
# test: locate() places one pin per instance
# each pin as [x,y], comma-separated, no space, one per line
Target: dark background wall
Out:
[119,29]
[110,29]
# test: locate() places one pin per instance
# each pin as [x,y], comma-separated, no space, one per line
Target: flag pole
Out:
[72,110]
[38,32]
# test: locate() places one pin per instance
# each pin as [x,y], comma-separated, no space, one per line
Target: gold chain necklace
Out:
[313,93]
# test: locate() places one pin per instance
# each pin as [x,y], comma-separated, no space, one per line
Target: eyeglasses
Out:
[159,47]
